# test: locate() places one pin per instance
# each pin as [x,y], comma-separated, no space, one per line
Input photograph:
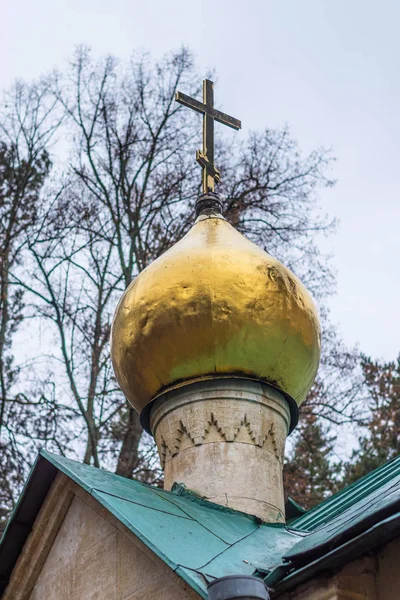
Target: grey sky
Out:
[329,69]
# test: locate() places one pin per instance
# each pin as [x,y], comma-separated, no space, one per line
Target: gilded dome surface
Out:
[214,304]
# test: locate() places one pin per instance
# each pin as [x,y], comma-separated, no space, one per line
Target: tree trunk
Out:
[3,332]
[129,455]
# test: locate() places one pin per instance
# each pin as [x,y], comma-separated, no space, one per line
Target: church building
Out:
[216,344]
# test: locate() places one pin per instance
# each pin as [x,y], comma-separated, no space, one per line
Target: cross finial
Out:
[205,157]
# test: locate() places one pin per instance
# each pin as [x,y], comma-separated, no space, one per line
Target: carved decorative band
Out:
[182,438]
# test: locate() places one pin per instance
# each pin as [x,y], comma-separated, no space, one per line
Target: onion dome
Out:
[214,305]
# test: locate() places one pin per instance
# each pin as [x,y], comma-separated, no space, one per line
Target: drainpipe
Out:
[238,587]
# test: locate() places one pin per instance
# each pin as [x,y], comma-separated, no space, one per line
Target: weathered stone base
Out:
[225,440]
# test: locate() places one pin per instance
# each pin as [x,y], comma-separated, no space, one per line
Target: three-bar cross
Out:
[205,157]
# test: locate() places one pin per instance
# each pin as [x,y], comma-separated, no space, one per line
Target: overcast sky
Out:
[328,69]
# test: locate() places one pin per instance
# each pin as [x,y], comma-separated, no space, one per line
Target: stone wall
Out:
[77,550]
[388,563]
[374,577]
[91,560]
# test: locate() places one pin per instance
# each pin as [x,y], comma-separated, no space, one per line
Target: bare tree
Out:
[126,196]
[134,184]
[27,125]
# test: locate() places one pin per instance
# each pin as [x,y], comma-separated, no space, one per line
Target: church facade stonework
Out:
[77,550]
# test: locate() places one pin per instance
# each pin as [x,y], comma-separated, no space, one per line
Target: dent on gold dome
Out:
[214,305]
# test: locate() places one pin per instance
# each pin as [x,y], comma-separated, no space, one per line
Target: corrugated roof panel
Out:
[352,494]
[349,523]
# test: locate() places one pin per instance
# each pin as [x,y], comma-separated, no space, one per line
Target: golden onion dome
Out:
[214,305]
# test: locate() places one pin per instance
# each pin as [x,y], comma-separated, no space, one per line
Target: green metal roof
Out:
[364,507]
[360,518]
[201,541]
[372,484]
[197,539]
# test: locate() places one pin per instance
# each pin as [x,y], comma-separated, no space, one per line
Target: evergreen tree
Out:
[309,476]
[381,438]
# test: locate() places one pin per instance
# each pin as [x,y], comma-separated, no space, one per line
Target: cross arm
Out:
[190,102]
[226,119]
[203,109]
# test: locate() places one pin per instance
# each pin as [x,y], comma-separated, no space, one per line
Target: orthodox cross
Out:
[205,157]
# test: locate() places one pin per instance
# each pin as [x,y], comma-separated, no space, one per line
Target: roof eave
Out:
[23,516]
[370,540]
